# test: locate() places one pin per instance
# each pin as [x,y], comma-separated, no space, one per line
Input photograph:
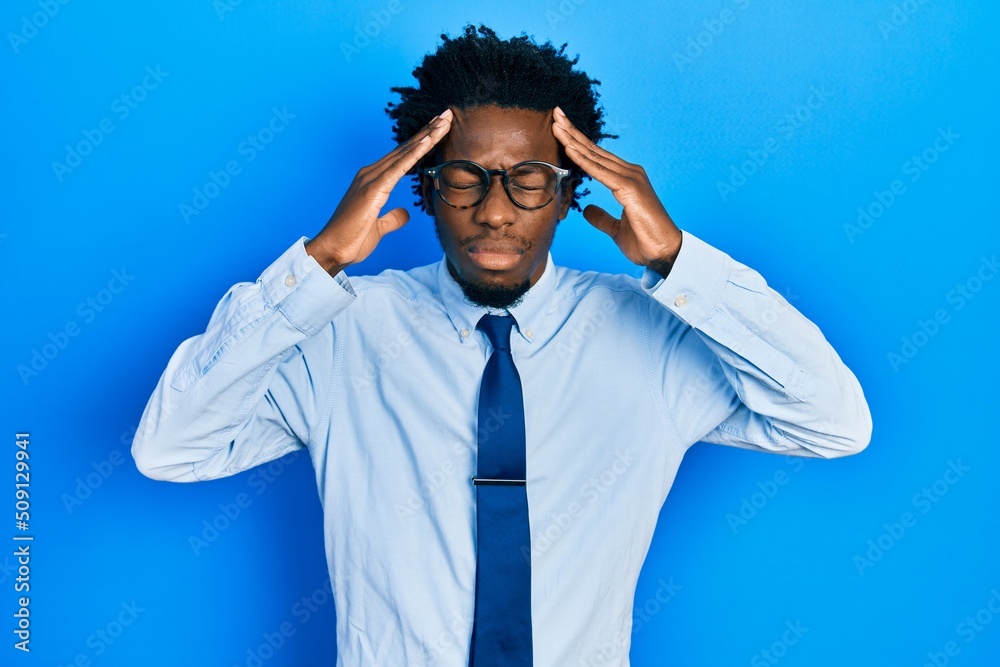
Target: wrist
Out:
[663,262]
[324,258]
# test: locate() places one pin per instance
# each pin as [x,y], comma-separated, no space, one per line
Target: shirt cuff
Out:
[297,286]
[693,287]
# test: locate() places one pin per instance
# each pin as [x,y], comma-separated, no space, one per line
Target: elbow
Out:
[853,429]
[152,459]
[146,460]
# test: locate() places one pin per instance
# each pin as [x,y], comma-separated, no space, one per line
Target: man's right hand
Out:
[355,228]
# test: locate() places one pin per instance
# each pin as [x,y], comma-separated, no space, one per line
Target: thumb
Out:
[601,219]
[392,221]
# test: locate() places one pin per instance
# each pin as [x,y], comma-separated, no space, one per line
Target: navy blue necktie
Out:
[501,629]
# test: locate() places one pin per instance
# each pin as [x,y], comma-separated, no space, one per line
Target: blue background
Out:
[694,94]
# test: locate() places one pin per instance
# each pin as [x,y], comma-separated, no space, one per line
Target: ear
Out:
[566,195]
[427,194]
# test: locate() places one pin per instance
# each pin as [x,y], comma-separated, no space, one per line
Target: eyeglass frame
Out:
[433,174]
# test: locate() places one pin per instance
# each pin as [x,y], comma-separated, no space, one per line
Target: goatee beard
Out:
[490,296]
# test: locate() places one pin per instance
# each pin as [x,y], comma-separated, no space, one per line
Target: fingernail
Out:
[560,112]
[446,113]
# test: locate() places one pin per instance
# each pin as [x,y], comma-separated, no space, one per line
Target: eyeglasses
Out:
[463,184]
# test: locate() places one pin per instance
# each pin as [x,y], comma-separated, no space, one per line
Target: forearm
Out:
[214,412]
[796,394]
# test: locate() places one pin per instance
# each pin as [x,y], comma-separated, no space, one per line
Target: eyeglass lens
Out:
[464,184]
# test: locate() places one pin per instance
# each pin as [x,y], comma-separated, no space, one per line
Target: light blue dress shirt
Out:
[378,377]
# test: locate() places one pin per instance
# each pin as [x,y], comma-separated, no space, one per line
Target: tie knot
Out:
[497,329]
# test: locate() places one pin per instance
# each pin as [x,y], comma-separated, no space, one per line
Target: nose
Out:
[496,209]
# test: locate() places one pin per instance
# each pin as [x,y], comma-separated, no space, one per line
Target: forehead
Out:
[498,138]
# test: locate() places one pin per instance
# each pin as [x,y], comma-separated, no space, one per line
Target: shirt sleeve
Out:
[744,368]
[244,392]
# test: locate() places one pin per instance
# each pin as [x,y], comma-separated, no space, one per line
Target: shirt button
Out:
[465,334]
[680,301]
[528,333]
[290,281]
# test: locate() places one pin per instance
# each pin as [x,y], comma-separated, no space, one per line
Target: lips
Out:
[495,256]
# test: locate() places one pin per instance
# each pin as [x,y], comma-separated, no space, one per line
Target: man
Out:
[411,389]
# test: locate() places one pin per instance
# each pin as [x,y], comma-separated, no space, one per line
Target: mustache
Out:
[521,241]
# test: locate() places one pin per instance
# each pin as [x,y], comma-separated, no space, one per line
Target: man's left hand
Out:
[645,233]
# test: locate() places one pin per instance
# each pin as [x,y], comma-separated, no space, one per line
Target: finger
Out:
[408,158]
[436,128]
[610,175]
[603,220]
[562,122]
[392,221]
[610,171]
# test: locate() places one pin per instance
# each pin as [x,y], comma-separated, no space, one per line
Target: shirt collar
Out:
[528,314]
